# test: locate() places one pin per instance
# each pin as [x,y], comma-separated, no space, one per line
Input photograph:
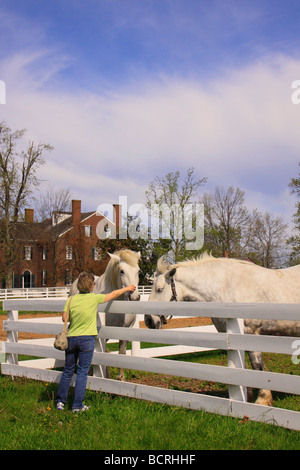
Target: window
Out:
[28,279]
[96,254]
[68,279]
[88,230]
[44,278]
[44,252]
[69,252]
[28,253]
[107,231]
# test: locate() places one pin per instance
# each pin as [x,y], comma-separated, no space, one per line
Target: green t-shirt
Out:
[83,314]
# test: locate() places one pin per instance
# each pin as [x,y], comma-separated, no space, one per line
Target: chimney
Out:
[117,217]
[29,216]
[76,212]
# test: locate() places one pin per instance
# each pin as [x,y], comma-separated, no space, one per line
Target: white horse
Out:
[121,271]
[209,279]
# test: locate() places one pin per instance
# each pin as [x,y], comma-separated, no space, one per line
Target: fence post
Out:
[100,346]
[136,345]
[12,337]
[2,353]
[236,358]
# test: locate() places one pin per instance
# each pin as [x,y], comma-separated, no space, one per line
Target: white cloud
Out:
[240,129]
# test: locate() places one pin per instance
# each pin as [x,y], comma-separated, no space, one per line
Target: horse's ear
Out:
[171,273]
[115,257]
[162,265]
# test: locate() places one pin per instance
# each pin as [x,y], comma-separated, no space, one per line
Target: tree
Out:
[17,182]
[174,194]
[267,245]
[294,240]
[54,200]
[226,221]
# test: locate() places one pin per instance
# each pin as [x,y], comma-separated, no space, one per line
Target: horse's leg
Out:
[122,350]
[128,322]
[264,396]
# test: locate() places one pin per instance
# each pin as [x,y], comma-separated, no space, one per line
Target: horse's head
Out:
[162,291]
[124,269]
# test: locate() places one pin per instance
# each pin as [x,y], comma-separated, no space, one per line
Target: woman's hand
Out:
[116,293]
[131,288]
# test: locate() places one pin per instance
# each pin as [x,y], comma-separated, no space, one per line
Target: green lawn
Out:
[29,420]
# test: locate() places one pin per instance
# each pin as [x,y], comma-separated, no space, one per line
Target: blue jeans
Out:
[81,350]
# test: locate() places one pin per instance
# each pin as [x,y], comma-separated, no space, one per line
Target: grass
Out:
[272,362]
[29,420]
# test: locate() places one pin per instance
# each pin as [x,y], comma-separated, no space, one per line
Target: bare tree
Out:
[17,182]
[174,193]
[55,199]
[226,221]
[268,241]
[294,239]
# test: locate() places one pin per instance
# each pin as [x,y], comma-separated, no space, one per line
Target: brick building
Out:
[53,252]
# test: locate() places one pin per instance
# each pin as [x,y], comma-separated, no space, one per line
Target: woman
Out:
[81,338]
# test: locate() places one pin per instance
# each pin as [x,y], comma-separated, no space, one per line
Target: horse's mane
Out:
[205,257]
[129,256]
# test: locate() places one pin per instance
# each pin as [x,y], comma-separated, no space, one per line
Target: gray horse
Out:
[121,271]
[209,279]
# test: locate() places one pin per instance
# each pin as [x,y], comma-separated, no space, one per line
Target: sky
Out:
[128,90]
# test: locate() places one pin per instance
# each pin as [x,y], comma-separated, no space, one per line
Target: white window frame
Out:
[88,230]
[44,253]
[69,252]
[27,253]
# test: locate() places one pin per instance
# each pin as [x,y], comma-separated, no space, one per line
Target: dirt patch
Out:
[182,384]
[184,322]
[22,335]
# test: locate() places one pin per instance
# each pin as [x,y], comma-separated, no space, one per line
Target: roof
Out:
[33,232]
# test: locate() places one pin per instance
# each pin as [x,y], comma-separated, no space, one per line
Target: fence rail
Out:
[233,341]
[48,292]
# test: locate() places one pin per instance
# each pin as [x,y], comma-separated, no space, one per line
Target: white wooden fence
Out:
[234,341]
[47,292]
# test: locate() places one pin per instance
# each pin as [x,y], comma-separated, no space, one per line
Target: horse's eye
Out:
[159,289]
[121,271]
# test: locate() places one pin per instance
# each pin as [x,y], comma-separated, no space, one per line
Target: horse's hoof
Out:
[261,401]
[121,378]
[264,398]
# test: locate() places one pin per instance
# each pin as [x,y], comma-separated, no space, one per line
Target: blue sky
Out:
[127,90]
